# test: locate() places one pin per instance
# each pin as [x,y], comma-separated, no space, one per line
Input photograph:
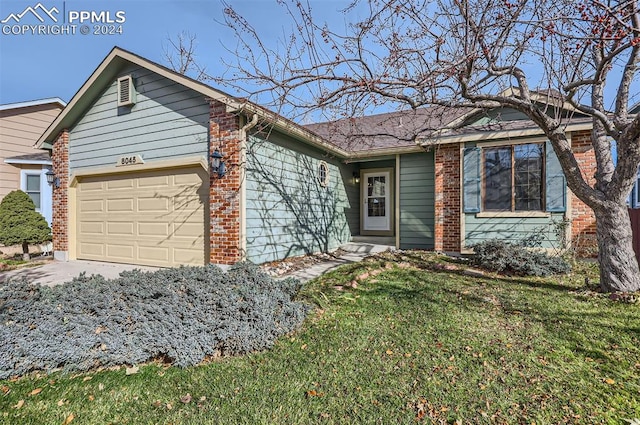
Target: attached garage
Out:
[154,218]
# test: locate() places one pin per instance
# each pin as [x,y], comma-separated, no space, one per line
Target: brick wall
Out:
[447,202]
[224,193]
[583,222]
[60,222]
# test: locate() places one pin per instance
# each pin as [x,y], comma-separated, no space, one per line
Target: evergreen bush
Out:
[20,223]
[504,257]
[181,315]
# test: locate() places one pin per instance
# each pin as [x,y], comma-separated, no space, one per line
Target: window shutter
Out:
[471,179]
[555,182]
[635,193]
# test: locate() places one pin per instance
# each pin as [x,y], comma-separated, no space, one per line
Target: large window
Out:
[513,177]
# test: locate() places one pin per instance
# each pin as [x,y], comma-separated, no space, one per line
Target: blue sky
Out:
[42,66]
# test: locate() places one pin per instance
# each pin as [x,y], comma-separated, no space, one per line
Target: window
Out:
[376,196]
[32,188]
[513,178]
[323,174]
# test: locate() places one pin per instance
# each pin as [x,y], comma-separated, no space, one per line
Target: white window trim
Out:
[325,181]
[23,182]
[512,142]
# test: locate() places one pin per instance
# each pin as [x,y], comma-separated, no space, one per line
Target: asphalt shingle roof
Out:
[387,131]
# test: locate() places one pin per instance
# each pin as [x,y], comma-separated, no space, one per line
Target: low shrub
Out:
[504,257]
[182,315]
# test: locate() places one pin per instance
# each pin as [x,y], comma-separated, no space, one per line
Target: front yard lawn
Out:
[397,339]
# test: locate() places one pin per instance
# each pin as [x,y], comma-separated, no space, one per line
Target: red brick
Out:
[583,221]
[447,202]
[224,193]
[60,162]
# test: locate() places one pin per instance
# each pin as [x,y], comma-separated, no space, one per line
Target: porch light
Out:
[356,177]
[52,179]
[217,166]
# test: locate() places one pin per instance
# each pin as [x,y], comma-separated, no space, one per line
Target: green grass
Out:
[11,262]
[416,342]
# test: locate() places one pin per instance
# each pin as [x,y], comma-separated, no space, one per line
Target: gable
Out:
[495,115]
[168,120]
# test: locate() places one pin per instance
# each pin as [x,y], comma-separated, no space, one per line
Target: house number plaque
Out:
[126,160]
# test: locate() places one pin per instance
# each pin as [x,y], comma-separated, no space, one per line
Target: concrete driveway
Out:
[57,272]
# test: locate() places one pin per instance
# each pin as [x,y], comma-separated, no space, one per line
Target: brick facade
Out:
[224,193]
[583,221]
[447,201]
[60,219]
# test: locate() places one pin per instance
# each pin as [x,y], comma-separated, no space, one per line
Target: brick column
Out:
[60,220]
[447,198]
[224,193]
[583,221]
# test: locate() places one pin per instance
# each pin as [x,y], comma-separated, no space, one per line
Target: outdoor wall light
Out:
[52,179]
[356,177]
[217,166]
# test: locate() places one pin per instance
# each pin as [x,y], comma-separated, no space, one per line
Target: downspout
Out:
[243,184]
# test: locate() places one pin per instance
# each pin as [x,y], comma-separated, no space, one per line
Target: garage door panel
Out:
[148,253]
[121,252]
[152,218]
[89,249]
[187,179]
[186,256]
[156,229]
[120,228]
[120,205]
[188,230]
[92,227]
[120,184]
[186,203]
[154,181]
[153,204]
[91,205]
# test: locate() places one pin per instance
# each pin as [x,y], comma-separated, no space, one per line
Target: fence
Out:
[634,214]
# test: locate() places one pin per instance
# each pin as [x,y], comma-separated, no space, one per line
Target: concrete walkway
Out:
[57,272]
[360,248]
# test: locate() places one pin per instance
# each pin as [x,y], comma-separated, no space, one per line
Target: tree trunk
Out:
[25,251]
[619,269]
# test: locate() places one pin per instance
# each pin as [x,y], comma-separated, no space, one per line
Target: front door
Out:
[377,200]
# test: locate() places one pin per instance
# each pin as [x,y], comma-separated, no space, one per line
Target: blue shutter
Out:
[556,189]
[471,179]
[635,193]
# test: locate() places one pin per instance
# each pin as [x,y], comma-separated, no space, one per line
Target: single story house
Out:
[22,166]
[139,178]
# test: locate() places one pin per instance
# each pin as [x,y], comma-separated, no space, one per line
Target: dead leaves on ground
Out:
[423,409]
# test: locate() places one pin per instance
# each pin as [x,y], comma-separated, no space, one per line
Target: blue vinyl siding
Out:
[512,229]
[288,212]
[167,121]
[417,201]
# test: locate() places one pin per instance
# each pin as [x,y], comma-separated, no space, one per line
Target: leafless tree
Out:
[407,54]
[180,54]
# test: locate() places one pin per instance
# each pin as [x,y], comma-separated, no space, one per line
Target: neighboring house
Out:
[132,152]
[22,166]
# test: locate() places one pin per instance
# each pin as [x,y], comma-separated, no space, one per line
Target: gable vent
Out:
[126,91]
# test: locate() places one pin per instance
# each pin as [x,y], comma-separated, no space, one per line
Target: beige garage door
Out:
[154,218]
